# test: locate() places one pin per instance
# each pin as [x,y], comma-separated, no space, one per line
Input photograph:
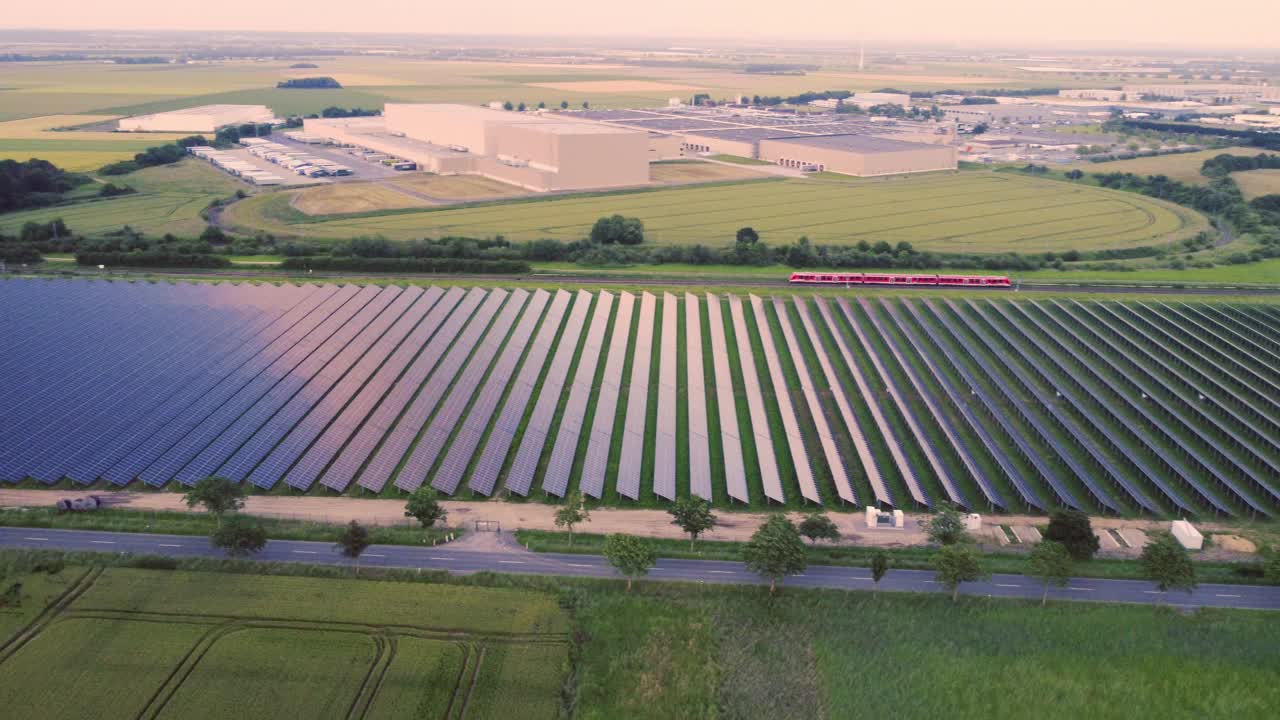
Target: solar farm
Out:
[1151,407]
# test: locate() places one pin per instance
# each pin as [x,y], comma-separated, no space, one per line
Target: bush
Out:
[407,265]
[619,230]
[154,562]
[152,259]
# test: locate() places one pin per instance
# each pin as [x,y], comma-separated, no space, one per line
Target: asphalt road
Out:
[516,560]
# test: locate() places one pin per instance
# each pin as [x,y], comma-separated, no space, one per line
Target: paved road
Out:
[458,560]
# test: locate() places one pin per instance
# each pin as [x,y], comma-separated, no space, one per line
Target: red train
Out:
[997,281]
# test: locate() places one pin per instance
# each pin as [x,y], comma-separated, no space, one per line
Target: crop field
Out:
[353,197]
[1121,407]
[981,212]
[169,200]
[138,643]
[1256,183]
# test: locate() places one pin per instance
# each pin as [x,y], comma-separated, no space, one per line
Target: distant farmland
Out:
[978,212]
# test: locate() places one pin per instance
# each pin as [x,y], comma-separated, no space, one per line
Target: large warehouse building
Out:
[537,152]
[859,155]
[203,119]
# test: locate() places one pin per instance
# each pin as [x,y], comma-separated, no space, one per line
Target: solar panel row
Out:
[494,454]
[538,428]
[556,479]
[599,442]
[696,393]
[456,461]
[735,473]
[629,462]
[664,450]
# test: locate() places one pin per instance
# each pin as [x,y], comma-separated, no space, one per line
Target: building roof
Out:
[857,143]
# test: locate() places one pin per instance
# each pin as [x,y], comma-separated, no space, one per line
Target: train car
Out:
[880,279]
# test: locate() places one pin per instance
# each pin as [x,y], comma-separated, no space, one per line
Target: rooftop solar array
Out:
[1160,408]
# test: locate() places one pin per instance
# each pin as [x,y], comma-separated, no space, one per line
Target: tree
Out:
[353,541]
[693,515]
[1074,174]
[564,104]
[1272,569]
[957,564]
[747,236]
[508,106]
[542,105]
[946,527]
[573,511]
[521,107]
[879,567]
[775,551]
[586,105]
[218,495]
[617,229]
[1166,563]
[1073,529]
[239,536]
[630,555]
[1051,562]
[817,526]
[424,504]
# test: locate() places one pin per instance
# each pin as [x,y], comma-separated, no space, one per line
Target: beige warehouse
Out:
[858,155]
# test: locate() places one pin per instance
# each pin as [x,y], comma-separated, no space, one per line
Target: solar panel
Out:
[769,474]
[353,437]
[525,465]
[782,395]
[637,403]
[484,478]
[400,436]
[735,473]
[696,392]
[664,452]
[455,463]
[600,439]
[556,479]
[839,474]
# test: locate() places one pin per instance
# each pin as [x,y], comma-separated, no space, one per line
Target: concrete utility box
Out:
[872,516]
[973,522]
[1190,538]
[899,519]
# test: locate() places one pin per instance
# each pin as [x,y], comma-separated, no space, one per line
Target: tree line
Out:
[34,183]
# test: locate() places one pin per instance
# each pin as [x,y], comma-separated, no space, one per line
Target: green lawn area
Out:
[184,644]
[969,212]
[1184,167]
[169,200]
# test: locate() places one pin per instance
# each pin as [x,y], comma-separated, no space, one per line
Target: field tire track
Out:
[50,613]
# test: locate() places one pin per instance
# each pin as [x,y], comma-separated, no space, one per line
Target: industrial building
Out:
[1000,113]
[539,152]
[1210,93]
[203,119]
[857,155]
[1094,94]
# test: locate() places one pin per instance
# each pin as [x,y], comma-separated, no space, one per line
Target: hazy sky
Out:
[1252,24]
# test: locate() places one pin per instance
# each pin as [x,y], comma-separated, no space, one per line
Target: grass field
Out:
[72,150]
[1183,167]
[675,173]
[141,643]
[353,198]
[1256,183]
[169,200]
[980,212]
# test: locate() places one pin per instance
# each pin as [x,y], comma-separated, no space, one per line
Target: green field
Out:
[169,200]
[1183,167]
[140,643]
[979,212]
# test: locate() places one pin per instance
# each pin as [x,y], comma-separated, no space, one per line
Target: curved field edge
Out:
[968,212]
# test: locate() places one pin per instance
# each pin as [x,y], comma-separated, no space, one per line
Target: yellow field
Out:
[353,198]
[1184,167]
[74,150]
[1256,183]
[456,188]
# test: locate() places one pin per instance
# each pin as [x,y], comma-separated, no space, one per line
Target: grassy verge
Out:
[913,558]
[181,523]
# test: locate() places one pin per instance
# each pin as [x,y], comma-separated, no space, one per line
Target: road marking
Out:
[722,572]
[1007,585]
[857,577]
[373,555]
[1153,592]
[931,582]
[164,545]
[579,565]
[305,552]
[1228,596]
[437,557]
[36,538]
[1080,589]
[511,562]
[103,542]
